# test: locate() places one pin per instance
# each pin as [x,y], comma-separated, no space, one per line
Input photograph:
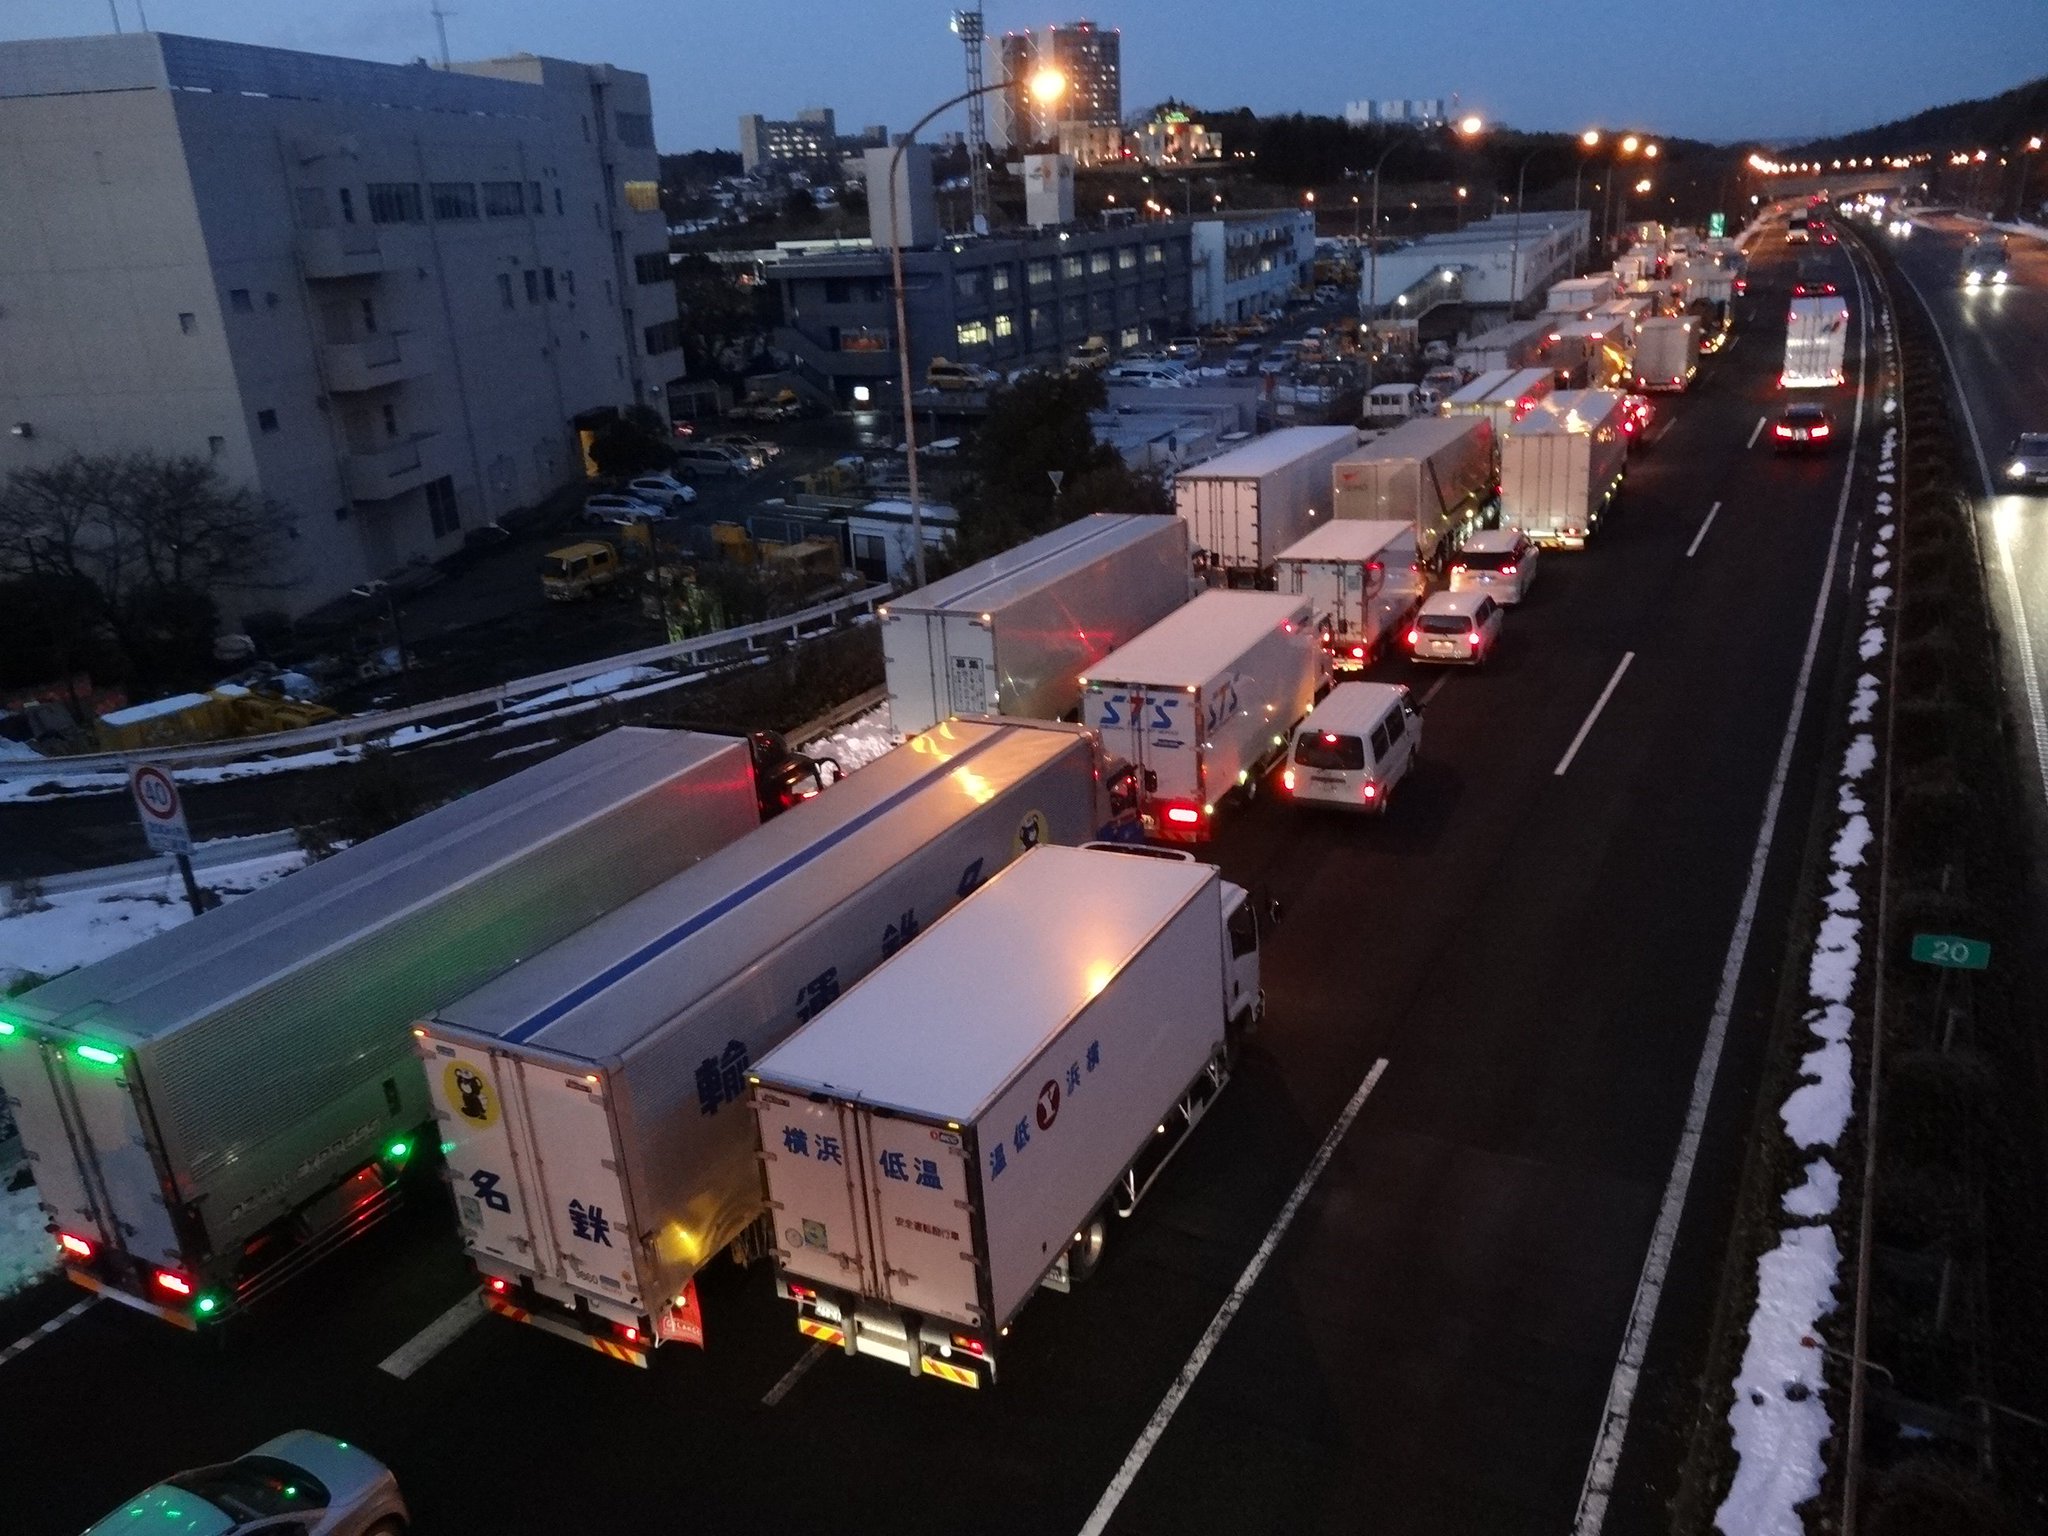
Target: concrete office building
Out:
[807,141]
[1492,263]
[1002,302]
[1248,262]
[384,297]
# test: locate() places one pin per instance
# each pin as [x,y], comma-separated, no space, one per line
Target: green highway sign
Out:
[1717,225]
[1950,952]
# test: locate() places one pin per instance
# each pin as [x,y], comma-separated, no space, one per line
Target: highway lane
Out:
[1533,955]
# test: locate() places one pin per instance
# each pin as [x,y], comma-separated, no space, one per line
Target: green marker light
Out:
[208,1304]
[7,1027]
[99,1054]
[397,1150]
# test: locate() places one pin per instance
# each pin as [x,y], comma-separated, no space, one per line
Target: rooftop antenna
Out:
[441,28]
[968,25]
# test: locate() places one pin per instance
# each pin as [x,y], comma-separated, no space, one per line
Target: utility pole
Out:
[441,28]
[968,25]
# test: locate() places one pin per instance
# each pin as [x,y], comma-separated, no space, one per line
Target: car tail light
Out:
[1472,638]
[1287,780]
[1358,653]
[174,1282]
[1329,738]
[1414,637]
[968,1342]
[1781,430]
[1509,570]
[1819,430]
[76,1247]
[1458,567]
[1372,790]
[1184,815]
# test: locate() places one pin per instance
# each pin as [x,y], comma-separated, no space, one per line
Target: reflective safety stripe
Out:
[610,1348]
[504,1308]
[960,1376]
[812,1328]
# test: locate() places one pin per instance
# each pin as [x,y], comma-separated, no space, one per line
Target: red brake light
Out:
[1329,738]
[804,1291]
[1414,637]
[1358,653]
[628,1332]
[174,1282]
[1820,430]
[1472,638]
[972,1345]
[77,1247]
[1781,430]
[1185,815]
[498,1285]
[1509,570]
[1287,780]
[1372,791]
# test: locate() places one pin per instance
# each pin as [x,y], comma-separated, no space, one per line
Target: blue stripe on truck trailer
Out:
[653,949]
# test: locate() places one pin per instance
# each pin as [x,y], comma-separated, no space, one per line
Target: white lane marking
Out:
[432,1339]
[1755,432]
[42,1331]
[794,1374]
[1599,704]
[1635,1343]
[2030,672]
[1127,1474]
[1435,688]
[1700,537]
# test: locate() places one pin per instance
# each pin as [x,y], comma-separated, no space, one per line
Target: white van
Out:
[1461,627]
[711,459]
[1148,374]
[1353,748]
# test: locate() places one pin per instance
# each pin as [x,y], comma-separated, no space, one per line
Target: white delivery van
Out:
[1353,748]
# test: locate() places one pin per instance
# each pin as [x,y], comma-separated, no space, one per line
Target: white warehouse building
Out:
[384,297]
[1245,262]
[1494,263]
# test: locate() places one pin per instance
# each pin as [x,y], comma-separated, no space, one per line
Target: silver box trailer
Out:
[214,1109]
[955,1132]
[1667,353]
[589,1101]
[1435,474]
[1362,581]
[1581,295]
[1509,347]
[1561,466]
[1243,507]
[1013,634]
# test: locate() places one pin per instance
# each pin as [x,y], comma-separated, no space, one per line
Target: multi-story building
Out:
[1410,112]
[1175,139]
[1002,302]
[806,141]
[386,298]
[1091,107]
[1247,262]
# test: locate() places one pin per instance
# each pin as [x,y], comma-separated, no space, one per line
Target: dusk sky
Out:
[1717,69]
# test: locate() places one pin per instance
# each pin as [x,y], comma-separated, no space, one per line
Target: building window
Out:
[454,201]
[504,200]
[348,205]
[238,301]
[266,421]
[1155,255]
[188,322]
[643,196]
[547,281]
[973,333]
[390,419]
[569,282]
[861,339]
[1006,325]
[662,336]
[999,279]
[1128,336]
[652,267]
[967,284]
[1075,311]
[505,289]
[537,206]
[311,203]
[441,509]
[1038,273]
[1041,322]
[1071,268]
[1127,258]
[341,513]
[558,202]
[1098,262]
[394,202]
[532,286]
[634,129]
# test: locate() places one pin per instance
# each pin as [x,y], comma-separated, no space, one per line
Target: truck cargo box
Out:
[1202,702]
[219,1103]
[589,1100]
[1243,507]
[1012,635]
[1436,474]
[1667,353]
[1362,581]
[1561,466]
[1505,395]
[1816,339]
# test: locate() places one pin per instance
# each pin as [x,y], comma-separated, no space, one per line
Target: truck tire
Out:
[1084,1254]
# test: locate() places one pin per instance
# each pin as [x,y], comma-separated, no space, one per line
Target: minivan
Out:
[945,374]
[1455,626]
[1353,748]
[711,459]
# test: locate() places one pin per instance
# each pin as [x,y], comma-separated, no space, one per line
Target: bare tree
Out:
[148,544]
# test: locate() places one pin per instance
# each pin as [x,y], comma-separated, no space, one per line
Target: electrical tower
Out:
[967,24]
[441,27]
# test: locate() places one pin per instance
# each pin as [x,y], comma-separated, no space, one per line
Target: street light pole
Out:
[1515,261]
[1046,86]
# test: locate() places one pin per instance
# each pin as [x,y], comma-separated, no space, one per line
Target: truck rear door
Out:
[1156,731]
[475,1102]
[920,1223]
[584,1219]
[93,1165]
[809,1152]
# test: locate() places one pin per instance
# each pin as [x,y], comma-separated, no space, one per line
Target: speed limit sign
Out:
[163,812]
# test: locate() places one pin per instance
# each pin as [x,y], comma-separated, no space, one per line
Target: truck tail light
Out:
[175,1283]
[627,1332]
[968,1342]
[1358,653]
[1460,566]
[804,1291]
[499,1285]
[1185,815]
[1287,780]
[76,1247]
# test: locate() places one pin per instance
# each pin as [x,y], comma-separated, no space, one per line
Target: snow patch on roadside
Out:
[1779,1420]
[858,742]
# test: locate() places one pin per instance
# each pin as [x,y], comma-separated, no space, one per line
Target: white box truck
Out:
[1816,337]
[1581,295]
[1243,507]
[1506,395]
[1437,474]
[1560,467]
[1511,347]
[590,1100]
[1667,353]
[1363,580]
[1202,702]
[934,1154]
[1588,354]
[1012,635]
[215,1109]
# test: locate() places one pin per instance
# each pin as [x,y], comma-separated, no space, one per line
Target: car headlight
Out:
[2016,468]
[1998,278]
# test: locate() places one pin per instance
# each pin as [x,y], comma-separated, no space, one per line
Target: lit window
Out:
[973,334]
[643,196]
[1006,325]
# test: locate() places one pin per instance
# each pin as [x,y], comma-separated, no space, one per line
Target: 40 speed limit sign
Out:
[161,808]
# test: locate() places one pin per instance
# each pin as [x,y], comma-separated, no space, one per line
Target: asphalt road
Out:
[1997,344]
[1533,950]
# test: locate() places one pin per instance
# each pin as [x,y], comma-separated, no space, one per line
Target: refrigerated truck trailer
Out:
[1202,703]
[1243,507]
[1012,635]
[1509,347]
[982,1138]
[1580,295]
[1505,395]
[1560,467]
[1437,474]
[1816,338]
[1667,353]
[215,1109]
[590,1101]
[1362,580]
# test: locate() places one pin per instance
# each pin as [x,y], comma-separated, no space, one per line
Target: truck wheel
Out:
[1084,1254]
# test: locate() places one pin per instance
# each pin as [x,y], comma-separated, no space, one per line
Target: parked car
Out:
[1148,375]
[962,378]
[746,442]
[661,491]
[1501,561]
[297,1484]
[1092,353]
[577,572]
[616,507]
[1803,425]
[712,459]
[1277,361]
[1353,748]
[1185,349]
[1460,627]
[2026,463]
[1243,360]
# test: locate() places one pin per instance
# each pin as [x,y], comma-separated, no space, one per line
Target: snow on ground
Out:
[79,927]
[26,1254]
[858,742]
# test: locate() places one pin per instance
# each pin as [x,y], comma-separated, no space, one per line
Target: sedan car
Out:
[661,491]
[2026,465]
[1277,361]
[612,507]
[1501,561]
[298,1484]
[1803,425]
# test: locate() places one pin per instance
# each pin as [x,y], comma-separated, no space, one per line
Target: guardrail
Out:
[359,728]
